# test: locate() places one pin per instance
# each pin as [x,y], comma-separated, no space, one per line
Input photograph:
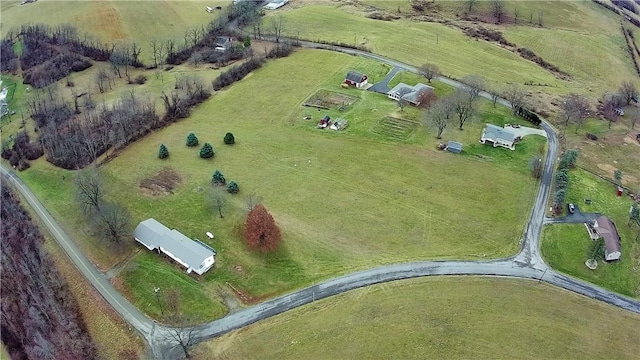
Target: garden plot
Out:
[393,128]
[326,99]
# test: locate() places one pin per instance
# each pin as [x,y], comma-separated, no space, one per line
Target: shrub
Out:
[592,137]
[236,73]
[192,140]
[163,153]
[232,187]
[260,230]
[218,178]
[206,151]
[229,139]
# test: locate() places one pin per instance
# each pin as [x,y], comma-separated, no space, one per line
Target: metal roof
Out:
[154,235]
[493,132]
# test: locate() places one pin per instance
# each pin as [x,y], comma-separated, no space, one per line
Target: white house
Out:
[194,255]
[607,230]
[498,136]
[410,94]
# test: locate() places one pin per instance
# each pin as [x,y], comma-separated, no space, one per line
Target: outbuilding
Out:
[454,147]
[194,255]
[356,79]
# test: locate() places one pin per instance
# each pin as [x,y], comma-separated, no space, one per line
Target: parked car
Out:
[572,208]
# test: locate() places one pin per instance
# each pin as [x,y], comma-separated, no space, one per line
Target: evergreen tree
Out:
[192,140]
[232,187]
[163,153]
[229,139]
[218,178]
[206,151]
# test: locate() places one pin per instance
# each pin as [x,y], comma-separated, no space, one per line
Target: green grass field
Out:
[466,318]
[565,246]
[344,200]
[111,21]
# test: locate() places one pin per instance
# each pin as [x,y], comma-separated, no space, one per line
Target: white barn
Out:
[194,255]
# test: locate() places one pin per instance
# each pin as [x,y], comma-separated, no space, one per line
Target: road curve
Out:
[527,264]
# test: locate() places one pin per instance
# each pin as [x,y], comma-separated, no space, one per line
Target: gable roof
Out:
[223,40]
[496,132]
[409,93]
[454,146]
[354,76]
[155,235]
[607,229]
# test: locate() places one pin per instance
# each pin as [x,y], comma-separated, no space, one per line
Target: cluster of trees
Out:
[40,317]
[218,179]
[499,13]
[236,73]
[459,107]
[561,179]
[52,53]
[217,197]
[634,217]
[188,92]
[72,142]
[202,42]
[22,151]
[8,58]
[109,220]
[575,108]
[611,102]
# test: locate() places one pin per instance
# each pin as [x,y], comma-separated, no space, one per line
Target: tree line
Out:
[40,317]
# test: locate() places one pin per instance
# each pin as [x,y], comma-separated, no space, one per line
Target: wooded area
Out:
[40,317]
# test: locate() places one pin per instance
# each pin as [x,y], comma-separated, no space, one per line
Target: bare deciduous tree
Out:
[497,10]
[469,5]
[516,14]
[575,108]
[475,85]
[277,24]
[252,200]
[113,223]
[217,199]
[156,50]
[429,71]
[516,96]
[89,189]
[462,104]
[628,91]
[634,116]
[184,338]
[439,116]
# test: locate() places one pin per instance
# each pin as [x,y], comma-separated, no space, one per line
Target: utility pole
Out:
[155,290]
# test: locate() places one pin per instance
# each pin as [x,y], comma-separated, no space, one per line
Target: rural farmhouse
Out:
[498,136]
[195,255]
[410,94]
[607,230]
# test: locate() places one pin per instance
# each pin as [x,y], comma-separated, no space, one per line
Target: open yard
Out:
[565,246]
[344,201]
[449,317]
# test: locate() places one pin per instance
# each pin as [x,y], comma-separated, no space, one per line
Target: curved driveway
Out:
[527,264]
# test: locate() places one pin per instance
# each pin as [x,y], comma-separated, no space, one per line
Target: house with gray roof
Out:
[607,230]
[498,136]
[194,255]
[410,94]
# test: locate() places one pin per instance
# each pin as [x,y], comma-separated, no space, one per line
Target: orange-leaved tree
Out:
[260,230]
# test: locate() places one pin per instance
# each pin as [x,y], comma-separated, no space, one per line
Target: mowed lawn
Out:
[565,246]
[343,202]
[461,318]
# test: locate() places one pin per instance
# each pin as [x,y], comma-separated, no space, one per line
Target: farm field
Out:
[564,246]
[448,317]
[111,21]
[344,200]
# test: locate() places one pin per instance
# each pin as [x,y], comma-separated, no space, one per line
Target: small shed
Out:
[454,147]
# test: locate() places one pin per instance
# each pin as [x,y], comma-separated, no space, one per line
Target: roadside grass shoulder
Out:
[443,317]
[565,246]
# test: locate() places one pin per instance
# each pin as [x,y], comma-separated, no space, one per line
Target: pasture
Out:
[564,246]
[113,21]
[444,317]
[344,200]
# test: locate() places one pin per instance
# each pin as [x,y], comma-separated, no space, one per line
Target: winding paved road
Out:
[527,264]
